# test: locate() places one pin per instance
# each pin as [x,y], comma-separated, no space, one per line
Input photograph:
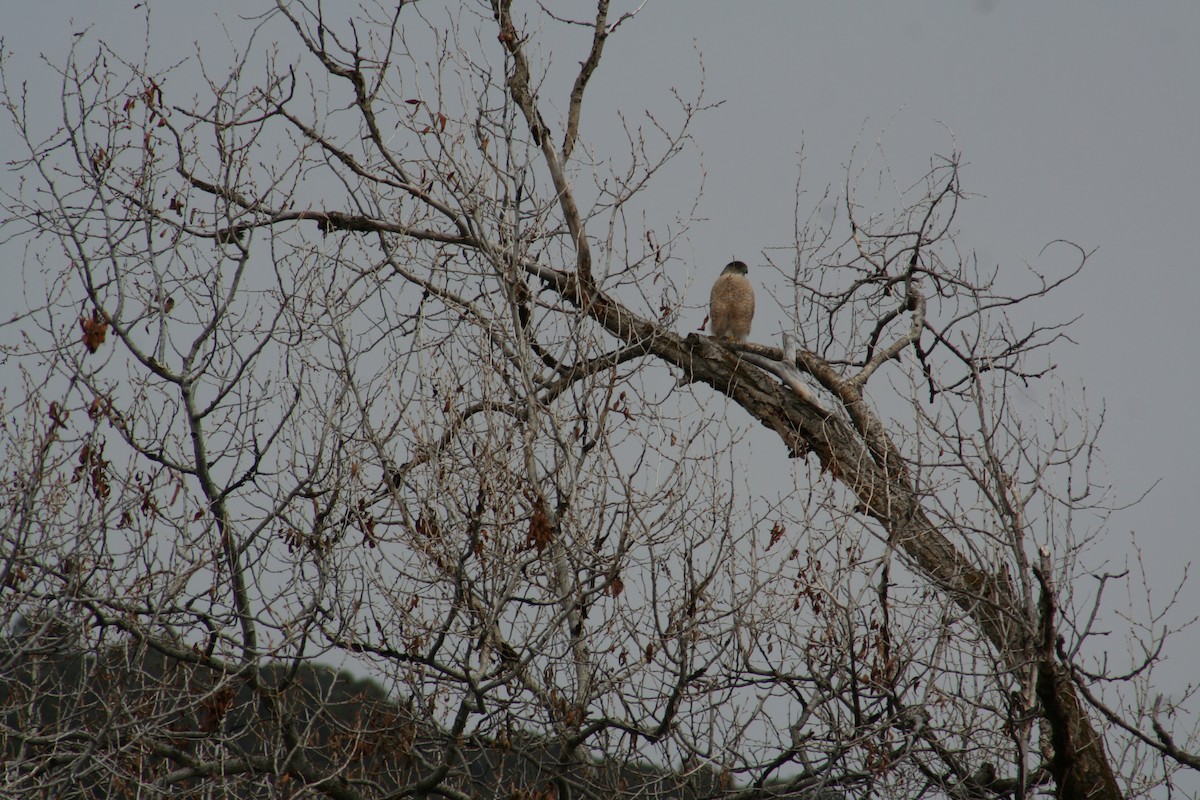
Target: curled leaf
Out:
[95,330]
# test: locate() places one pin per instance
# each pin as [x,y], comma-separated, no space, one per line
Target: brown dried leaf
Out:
[427,528]
[540,531]
[777,532]
[95,330]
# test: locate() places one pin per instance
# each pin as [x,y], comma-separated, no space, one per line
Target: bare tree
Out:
[371,356]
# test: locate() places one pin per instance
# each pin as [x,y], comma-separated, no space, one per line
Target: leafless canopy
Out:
[362,351]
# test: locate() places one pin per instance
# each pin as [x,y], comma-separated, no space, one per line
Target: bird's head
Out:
[735,268]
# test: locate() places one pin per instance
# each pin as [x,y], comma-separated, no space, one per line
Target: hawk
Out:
[731,304]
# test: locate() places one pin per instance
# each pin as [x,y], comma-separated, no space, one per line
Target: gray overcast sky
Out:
[1079,120]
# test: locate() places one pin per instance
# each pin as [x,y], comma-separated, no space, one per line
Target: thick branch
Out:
[519,87]
[599,34]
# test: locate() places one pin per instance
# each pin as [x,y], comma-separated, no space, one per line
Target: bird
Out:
[731,303]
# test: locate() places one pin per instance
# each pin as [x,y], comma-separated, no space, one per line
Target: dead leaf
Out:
[540,531]
[95,330]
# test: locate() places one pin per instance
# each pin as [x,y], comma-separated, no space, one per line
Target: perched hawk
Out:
[731,304]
